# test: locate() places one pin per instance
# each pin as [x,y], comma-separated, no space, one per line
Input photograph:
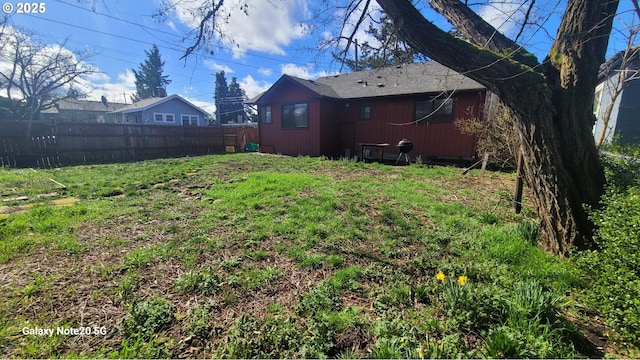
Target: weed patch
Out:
[148,317]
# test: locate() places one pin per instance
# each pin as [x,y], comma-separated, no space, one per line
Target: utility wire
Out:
[243,52]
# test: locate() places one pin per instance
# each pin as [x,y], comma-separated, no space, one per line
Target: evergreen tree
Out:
[221,93]
[150,82]
[389,51]
[235,100]
[229,99]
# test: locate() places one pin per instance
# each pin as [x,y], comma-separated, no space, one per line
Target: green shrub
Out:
[615,268]
[622,173]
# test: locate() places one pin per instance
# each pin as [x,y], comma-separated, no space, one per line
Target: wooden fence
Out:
[63,143]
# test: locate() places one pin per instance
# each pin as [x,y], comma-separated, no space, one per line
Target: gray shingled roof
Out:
[83,105]
[416,78]
[150,102]
[318,88]
[144,104]
[615,62]
[324,90]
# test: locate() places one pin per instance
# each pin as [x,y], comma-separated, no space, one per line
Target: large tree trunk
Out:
[551,103]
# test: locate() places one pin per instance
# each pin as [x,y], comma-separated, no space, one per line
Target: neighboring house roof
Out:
[255,99]
[416,78]
[82,105]
[630,56]
[151,102]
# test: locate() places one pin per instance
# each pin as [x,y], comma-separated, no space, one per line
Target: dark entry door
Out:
[348,139]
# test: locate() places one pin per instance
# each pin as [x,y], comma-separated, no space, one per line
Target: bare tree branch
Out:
[527,16]
[39,73]
[361,18]
[201,36]
[477,30]
[485,66]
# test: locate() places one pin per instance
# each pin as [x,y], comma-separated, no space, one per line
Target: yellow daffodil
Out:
[462,280]
[441,276]
[421,352]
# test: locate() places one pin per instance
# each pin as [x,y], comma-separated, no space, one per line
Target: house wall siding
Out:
[628,120]
[391,121]
[335,127]
[606,90]
[175,107]
[275,139]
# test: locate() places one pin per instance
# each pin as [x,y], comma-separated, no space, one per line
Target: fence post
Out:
[517,197]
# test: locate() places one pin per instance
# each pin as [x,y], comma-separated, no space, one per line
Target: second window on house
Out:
[365,112]
[434,111]
[189,119]
[295,116]
[160,117]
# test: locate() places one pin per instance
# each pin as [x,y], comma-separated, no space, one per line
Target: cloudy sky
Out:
[276,37]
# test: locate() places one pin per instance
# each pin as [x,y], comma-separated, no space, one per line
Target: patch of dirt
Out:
[8,209]
[594,341]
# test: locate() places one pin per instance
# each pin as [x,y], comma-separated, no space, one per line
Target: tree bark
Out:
[551,104]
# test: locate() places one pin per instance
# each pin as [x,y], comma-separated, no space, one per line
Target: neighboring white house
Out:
[171,110]
[621,96]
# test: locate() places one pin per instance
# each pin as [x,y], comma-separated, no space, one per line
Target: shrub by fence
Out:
[56,144]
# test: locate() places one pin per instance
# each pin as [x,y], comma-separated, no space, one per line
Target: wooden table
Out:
[380,146]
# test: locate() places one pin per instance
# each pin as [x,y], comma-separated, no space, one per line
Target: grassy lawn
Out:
[251,255]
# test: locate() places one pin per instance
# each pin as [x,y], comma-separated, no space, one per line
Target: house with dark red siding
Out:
[334,115]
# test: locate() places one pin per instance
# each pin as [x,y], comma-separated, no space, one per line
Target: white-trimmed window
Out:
[597,100]
[162,117]
[190,119]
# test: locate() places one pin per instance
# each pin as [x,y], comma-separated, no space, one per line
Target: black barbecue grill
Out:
[404,146]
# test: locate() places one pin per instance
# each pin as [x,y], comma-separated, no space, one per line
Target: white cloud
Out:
[204,105]
[172,25]
[269,26]
[253,87]
[210,64]
[304,72]
[265,71]
[100,84]
[505,16]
